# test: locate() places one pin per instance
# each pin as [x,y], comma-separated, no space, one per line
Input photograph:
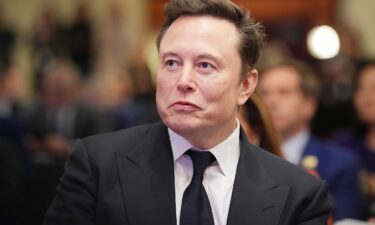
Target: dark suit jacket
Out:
[341,171]
[127,177]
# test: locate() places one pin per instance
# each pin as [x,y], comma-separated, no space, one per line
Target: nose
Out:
[186,82]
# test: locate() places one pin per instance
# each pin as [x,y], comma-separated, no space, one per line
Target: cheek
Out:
[284,111]
[294,105]
[226,98]
[164,84]
[359,103]
[161,90]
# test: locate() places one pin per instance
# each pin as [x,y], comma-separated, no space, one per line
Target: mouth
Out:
[184,106]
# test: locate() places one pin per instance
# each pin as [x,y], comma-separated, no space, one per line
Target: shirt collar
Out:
[293,147]
[227,153]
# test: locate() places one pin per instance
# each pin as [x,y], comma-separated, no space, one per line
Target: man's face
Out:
[290,109]
[198,79]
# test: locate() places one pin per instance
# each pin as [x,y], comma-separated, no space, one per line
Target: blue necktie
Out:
[196,208]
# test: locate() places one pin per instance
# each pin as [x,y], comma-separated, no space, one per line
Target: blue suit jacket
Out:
[340,170]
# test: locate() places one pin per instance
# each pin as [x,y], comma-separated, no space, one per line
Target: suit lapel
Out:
[147,180]
[256,199]
[311,148]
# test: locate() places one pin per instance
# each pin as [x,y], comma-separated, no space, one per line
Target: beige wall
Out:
[21,13]
[360,15]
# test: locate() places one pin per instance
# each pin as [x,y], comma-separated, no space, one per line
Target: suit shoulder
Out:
[282,171]
[120,140]
[343,153]
[330,149]
[334,155]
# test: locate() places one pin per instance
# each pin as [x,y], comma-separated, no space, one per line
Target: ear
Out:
[248,85]
[309,108]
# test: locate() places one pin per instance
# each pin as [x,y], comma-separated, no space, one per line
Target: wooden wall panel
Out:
[270,11]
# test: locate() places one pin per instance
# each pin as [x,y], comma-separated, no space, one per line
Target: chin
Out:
[180,126]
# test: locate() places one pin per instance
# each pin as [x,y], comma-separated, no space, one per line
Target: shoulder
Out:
[122,140]
[306,194]
[339,154]
[332,153]
[284,172]
[334,161]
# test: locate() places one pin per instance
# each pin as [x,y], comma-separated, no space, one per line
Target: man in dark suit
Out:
[153,174]
[290,89]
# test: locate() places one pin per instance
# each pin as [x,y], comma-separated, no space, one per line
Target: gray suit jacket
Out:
[127,178]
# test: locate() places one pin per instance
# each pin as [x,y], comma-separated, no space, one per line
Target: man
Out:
[290,90]
[58,117]
[207,50]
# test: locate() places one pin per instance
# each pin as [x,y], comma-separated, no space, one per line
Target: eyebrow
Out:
[211,57]
[168,54]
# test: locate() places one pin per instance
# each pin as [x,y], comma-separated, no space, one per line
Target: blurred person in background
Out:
[362,138]
[335,106]
[58,116]
[125,94]
[290,89]
[7,40]
[80,40]
[12,88]
[108,90]
[141,107]
[53,120]
[11,125]
[14,157]
[258,125]
[48,43]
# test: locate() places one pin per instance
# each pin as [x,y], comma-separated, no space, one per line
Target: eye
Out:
[171,64]
[206,67]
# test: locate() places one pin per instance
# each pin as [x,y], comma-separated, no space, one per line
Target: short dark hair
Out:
[310,85]
[360,68]
[252,35]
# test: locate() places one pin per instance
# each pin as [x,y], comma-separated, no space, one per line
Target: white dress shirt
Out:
[293,147]
[218,178]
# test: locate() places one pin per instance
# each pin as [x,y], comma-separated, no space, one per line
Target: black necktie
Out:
[195,208]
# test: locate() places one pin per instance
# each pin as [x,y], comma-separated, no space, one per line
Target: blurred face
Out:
[198,80]
[290,109]
[364,97]
[59,88]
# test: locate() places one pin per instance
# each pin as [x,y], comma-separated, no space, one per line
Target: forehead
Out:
[281,76]
[205,30]
[368,74]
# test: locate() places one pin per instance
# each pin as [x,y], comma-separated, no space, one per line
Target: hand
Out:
[56,144]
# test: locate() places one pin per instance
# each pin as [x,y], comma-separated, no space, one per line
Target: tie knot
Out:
[201,160]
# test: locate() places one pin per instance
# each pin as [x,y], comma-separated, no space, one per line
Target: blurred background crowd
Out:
[70,69]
